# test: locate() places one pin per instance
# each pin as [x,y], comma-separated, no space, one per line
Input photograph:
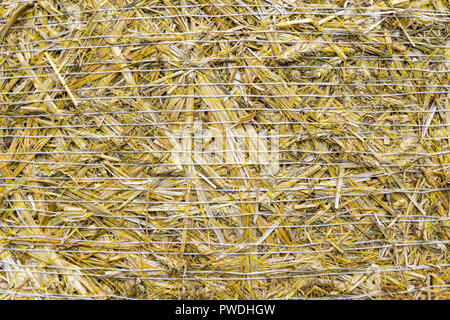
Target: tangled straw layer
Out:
[224,149]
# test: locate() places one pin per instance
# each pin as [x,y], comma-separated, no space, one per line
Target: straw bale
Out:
[185,149]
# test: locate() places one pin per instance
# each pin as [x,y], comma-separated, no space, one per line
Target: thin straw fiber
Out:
[270,149]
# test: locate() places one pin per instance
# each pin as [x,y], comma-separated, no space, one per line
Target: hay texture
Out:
[224,149]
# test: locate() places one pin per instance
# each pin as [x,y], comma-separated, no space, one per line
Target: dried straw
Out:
[224,149]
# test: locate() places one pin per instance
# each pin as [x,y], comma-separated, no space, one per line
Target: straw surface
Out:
[224,149]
